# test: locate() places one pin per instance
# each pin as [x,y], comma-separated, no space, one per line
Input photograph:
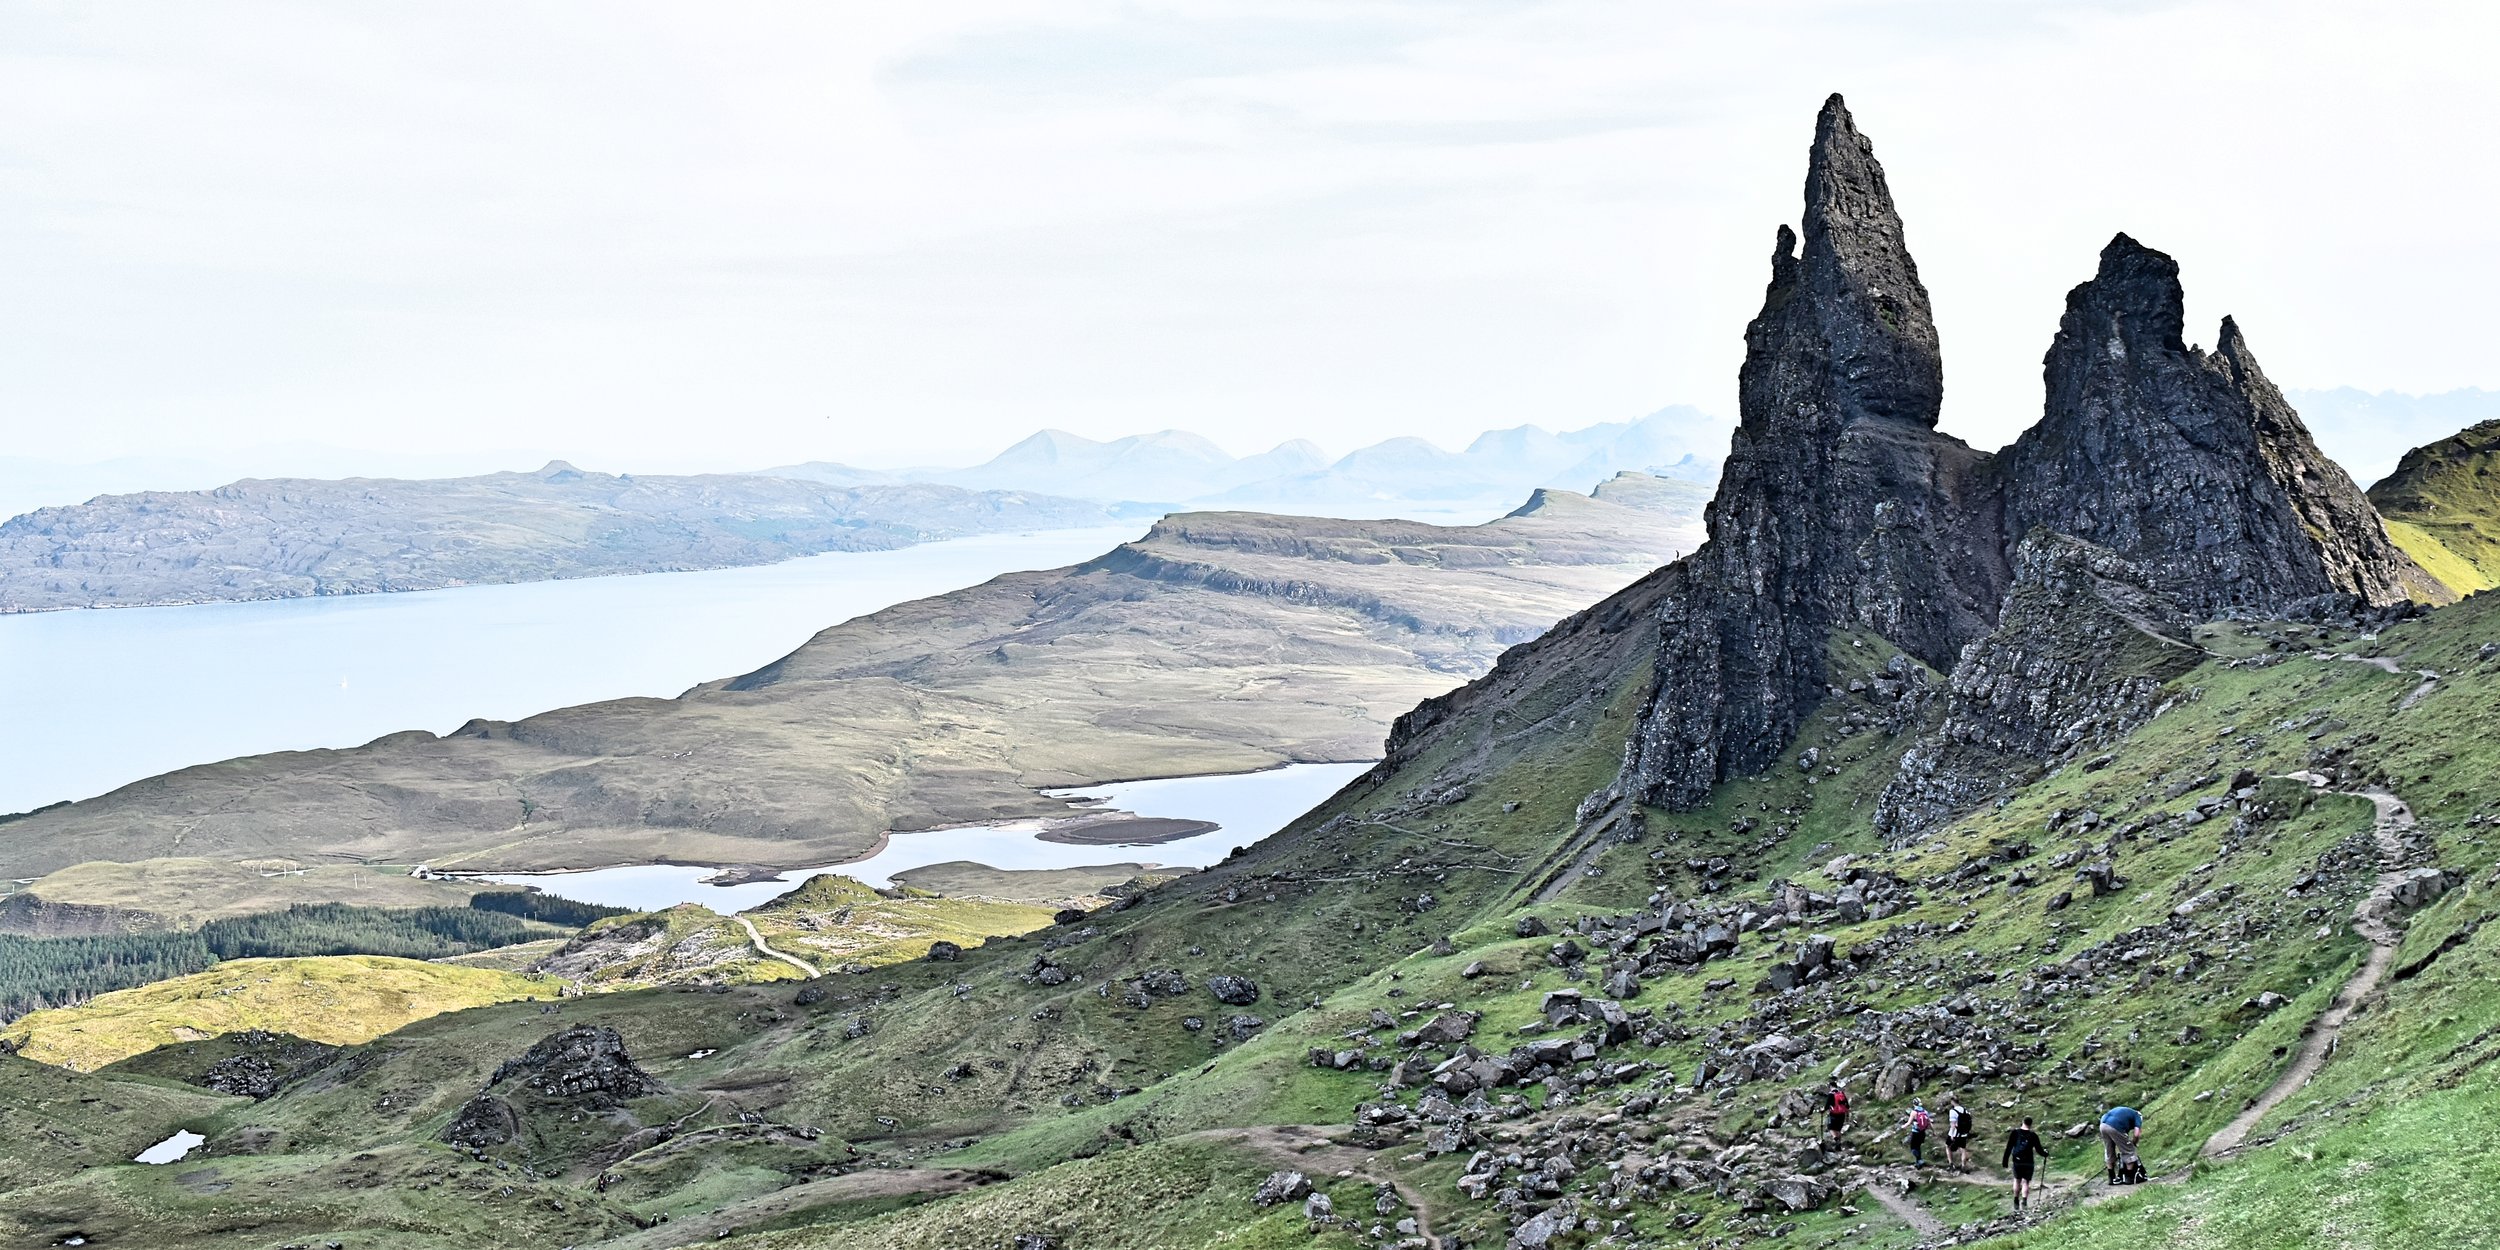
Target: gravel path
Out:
[761,949]
[2374,919]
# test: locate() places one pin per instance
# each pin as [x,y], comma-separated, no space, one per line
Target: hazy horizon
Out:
[646,236]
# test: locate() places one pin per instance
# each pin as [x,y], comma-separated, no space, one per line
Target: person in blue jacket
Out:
[2121,1129]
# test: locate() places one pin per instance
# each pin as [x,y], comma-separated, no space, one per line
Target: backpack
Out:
[1920,1121]
[1961,1123]
[1840,1102]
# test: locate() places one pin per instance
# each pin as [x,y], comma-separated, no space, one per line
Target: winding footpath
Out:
[761,949]
[2375,920]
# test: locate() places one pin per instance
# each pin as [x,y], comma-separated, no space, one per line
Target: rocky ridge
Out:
[1841,508]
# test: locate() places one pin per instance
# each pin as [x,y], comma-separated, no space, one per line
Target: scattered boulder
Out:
[1233,990]
[944,952]
[1282,1187]
[484,1122]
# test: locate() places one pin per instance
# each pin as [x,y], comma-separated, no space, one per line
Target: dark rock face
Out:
[2191,465]
[1839,507]
[583,1062]
[2166,486]
[484,1121]
[1237,991]
[2078,656]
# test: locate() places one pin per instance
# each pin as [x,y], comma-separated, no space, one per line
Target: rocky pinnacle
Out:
[2191,465]
[1839,506]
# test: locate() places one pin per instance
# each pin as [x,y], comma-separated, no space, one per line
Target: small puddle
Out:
[172,1149]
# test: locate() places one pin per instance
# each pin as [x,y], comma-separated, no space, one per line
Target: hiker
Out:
[1836,1112]
[1957,1135]
[2121,1129]
[1919,1122]
[2023,1151]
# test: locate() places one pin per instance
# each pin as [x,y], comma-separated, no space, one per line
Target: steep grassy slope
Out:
[339,999]
[2442,505]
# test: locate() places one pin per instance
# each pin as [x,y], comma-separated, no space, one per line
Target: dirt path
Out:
[1308,1148]
[761,949]
[2375,920]
[1910,1213]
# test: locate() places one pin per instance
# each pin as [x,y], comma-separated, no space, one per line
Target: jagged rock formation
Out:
[2078,656]
[2194,487]
[1840,505]
[2191,465]
[583,1068]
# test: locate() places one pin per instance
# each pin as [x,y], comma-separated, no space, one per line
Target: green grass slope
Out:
[2442,505]
[340,999]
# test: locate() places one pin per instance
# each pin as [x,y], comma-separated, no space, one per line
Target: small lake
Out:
[1247,807]
[97,698]
[170,1150]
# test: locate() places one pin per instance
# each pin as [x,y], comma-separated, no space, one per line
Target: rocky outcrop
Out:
[2191,465]
[2079,655]
[584,1063]
[1840,506]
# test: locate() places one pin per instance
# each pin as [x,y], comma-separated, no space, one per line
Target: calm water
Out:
[90,700]
[1248,806]
[172,1149]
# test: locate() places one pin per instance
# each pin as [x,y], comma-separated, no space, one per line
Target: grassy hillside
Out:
[1042,1082]
[185,893]
[2442,506]
[341,999]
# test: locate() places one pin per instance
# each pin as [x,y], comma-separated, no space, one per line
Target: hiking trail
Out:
[762,949]
[2375,920]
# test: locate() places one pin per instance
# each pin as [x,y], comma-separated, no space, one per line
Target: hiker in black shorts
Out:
[1957,1135]
[2023,1151]
[1836,1112]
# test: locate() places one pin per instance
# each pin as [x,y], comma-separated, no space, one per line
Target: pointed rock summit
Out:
[2191,466]
[1840,505]
[2040,600]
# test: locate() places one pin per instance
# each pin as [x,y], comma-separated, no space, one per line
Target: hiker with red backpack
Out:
[1836,1112]
[1919,1122]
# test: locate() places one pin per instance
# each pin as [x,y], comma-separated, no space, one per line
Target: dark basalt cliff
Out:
[1839,505]
[2162,486]
[2191,465]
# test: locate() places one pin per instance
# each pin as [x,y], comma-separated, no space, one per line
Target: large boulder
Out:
[1233,990]
[1282,1187]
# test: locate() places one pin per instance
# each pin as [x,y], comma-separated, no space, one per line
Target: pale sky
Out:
[728,235]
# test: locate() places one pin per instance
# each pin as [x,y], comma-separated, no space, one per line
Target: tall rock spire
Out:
[1871,307]
[2191,466]
[1839,506]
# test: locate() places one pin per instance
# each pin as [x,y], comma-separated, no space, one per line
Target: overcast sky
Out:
[722,235]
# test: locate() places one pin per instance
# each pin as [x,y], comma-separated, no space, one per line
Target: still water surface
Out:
[1248,806]
[94,699]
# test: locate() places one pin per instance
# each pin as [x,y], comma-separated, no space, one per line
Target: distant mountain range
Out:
[1176,468]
